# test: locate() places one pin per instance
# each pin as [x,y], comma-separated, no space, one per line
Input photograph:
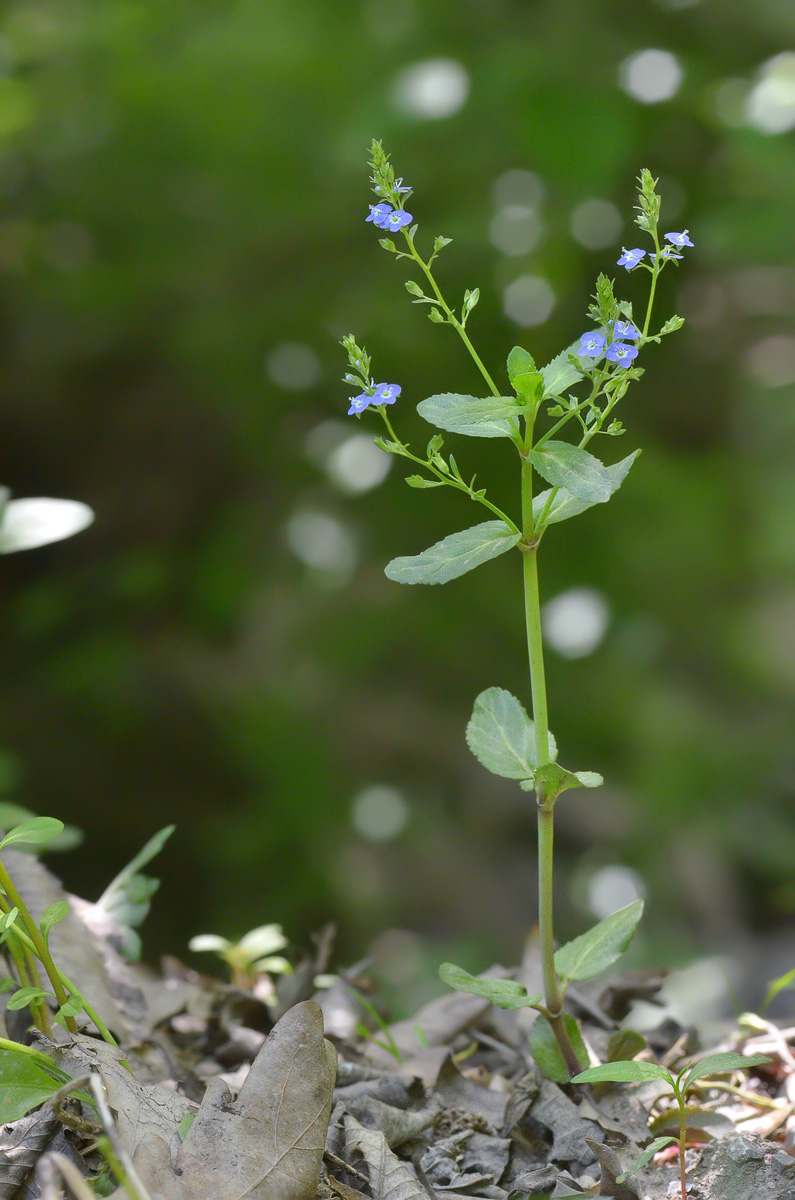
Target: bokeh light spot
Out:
[379,813]
[596,224]
[772,360]
[515,229]
[357,465]
[529,300]
[433,89]
[293,366]
[771,101]
[650,76]
[614,887]
[576,621]
[324,544]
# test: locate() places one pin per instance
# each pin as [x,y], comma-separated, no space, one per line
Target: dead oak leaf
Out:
[390,1178]
[267,1144]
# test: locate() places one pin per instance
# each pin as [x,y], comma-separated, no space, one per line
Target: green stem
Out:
[451,317]
[404,452]
[655,271]
[27,973]
[535,650]
[39,945]
[682,1140]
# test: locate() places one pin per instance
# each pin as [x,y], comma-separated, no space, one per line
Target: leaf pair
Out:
[502,737]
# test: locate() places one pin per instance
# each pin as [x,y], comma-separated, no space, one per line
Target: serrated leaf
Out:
[26,1083]
[715,1064]
[34,832]
[566,505]
[624,1044]
[647,1155]
[624,1072]
[596,950]
[520,363]
[501,735]
[454,555]
[52,915]
[546,1052]
[468,415]
[505,993]
[560,373]
[570,467]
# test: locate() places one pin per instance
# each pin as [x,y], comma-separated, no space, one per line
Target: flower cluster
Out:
[594,345]
[631,258]
[385,217]
[373,396]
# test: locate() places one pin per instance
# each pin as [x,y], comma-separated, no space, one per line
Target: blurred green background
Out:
[183,189]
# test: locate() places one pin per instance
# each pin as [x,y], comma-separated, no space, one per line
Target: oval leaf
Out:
[715,1064]
[596,950]
[520,363]
[546,1052]
[26,1084]
[565,505]
[570,467]
[501,735]
[624,1044]
[488,418]
[624,1072]
[25,996]
[454,555]
[52,915]
[505,993]
[40,829]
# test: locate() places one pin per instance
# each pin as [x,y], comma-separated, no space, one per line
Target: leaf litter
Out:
[216,1095]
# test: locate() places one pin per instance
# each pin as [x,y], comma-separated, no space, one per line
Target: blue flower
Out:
[668,252]
[359,404]
[591,346]
[385,393]
[377,214]
[625,329]
[399,187]
[621,353]
[679,239]
[630,258]
[395,220]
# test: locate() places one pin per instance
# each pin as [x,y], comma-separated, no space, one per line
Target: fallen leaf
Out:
[390,1179]
[611,1167]
[266,1145]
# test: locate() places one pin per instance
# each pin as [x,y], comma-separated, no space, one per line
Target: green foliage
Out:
[505,993]
[33,833]
[560,504]
[569,467]
[502,737]
[51,916]
[28,1080]
[624,1044]
[454,555]
[593,952]
[546,1051]
[561,373]
[488,418]
[645,1157]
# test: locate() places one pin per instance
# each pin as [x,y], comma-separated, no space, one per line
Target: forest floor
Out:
[216,1092]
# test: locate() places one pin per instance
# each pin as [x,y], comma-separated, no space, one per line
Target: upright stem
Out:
[535,651]
[682,1139]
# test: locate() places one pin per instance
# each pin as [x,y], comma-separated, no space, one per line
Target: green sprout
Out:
[643,1072]
[252,959]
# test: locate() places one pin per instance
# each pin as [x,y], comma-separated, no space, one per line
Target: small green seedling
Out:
[126,900]
[529,409]
[643,1072]
[252,959]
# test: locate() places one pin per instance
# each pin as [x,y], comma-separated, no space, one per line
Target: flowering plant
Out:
[500,733]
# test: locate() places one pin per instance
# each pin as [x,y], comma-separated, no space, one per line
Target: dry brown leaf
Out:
[390,1179]
[266,1145]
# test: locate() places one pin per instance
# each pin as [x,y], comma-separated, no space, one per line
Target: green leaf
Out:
[25,996]
[185,1124]
[566,505]
[39,830]
[520,363]
[567,466]
[596,950]
[546,1052]
[501,735]
[560,374]
[7,919]
[454,555]
[702,1119]
[70,1008]
[624,1072]
[487,418]
[26,1084]
[778,985]
[647,1155]
[715,1064]
[554,779]
[505,993]
[52,915]
[624,1044]
[417,481]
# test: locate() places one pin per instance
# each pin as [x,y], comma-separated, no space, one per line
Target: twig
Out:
[132,1180]
[343,1166]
